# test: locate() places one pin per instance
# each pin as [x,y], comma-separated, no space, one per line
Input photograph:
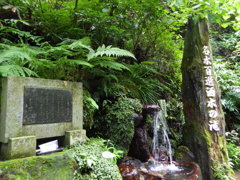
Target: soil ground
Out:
[237,175]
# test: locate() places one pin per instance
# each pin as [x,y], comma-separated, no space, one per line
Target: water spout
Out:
[155,162]
[160,128]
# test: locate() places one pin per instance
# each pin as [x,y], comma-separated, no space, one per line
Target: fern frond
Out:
[11,29]
[18,60]
[73,62]
[57,52]
[36,64]
[80,62]
[110,51]
[80,44]
[111,64]
[12,54]
[16,70]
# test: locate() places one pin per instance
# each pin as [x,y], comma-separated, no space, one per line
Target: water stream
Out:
[155,162]
[160,128]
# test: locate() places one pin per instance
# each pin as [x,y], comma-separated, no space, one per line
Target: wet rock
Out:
[138,119]
[150,109]
[183,154]
[131,161]
[129,172]
[139,146]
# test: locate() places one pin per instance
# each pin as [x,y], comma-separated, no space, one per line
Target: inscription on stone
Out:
[46,106]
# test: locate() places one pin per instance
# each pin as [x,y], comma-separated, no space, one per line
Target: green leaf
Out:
[92,102]
[90,162]
[196,6]
[224,25]
[80,62]
[16,70]
[148,62]
[110,51]
[111,65]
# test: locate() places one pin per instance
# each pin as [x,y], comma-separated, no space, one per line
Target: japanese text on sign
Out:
[210,90]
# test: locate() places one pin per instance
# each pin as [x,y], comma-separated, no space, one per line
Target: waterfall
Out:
[160,128]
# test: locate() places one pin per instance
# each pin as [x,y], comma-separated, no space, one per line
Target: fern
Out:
[80,44]
[111,64]
[16,70]
[80,62]
[109,51]
[74,62]
[21,60]
[13,53]
[12,31]
[73,54]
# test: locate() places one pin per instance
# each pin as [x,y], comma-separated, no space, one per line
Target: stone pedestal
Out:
[19,147]
[75,136]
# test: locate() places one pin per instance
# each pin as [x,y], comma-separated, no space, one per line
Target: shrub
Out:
[117,122]
[93,164]
[233,148]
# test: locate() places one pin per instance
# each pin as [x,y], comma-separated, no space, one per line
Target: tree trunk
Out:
[204,130]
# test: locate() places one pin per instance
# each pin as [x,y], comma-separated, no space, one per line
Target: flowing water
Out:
[161,146]
[160,128]
[161,166]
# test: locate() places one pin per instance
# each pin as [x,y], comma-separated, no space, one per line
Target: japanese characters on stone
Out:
[210,90]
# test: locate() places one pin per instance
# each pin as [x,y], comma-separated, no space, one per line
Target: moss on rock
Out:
[48,167]
[83,161]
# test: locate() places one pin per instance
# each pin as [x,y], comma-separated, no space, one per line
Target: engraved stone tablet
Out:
[43,106]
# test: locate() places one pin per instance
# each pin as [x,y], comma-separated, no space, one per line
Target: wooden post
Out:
[204,130]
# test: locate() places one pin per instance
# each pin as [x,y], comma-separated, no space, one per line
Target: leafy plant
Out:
[227,69]
[96,160]
[234,155]
[220,172]
[233,148]
[11,32]
[20,60]
[117,118]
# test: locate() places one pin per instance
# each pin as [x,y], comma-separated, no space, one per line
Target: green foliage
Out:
[117,118]
[233,148]
[20,60]
[221,172]
[89,108]
[175,116]
[93,162]
[228,74]
[10,32]
[234,155]
[224,12]
[180,151]
[141,83]
[142,27]
[109,51]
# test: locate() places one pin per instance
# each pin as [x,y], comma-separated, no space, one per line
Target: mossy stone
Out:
[48,167]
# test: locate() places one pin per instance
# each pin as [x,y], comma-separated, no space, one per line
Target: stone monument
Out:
[33,109]
[204,128]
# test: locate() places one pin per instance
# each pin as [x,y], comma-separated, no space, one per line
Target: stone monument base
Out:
[75,136]
[19,147]
[25,146]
